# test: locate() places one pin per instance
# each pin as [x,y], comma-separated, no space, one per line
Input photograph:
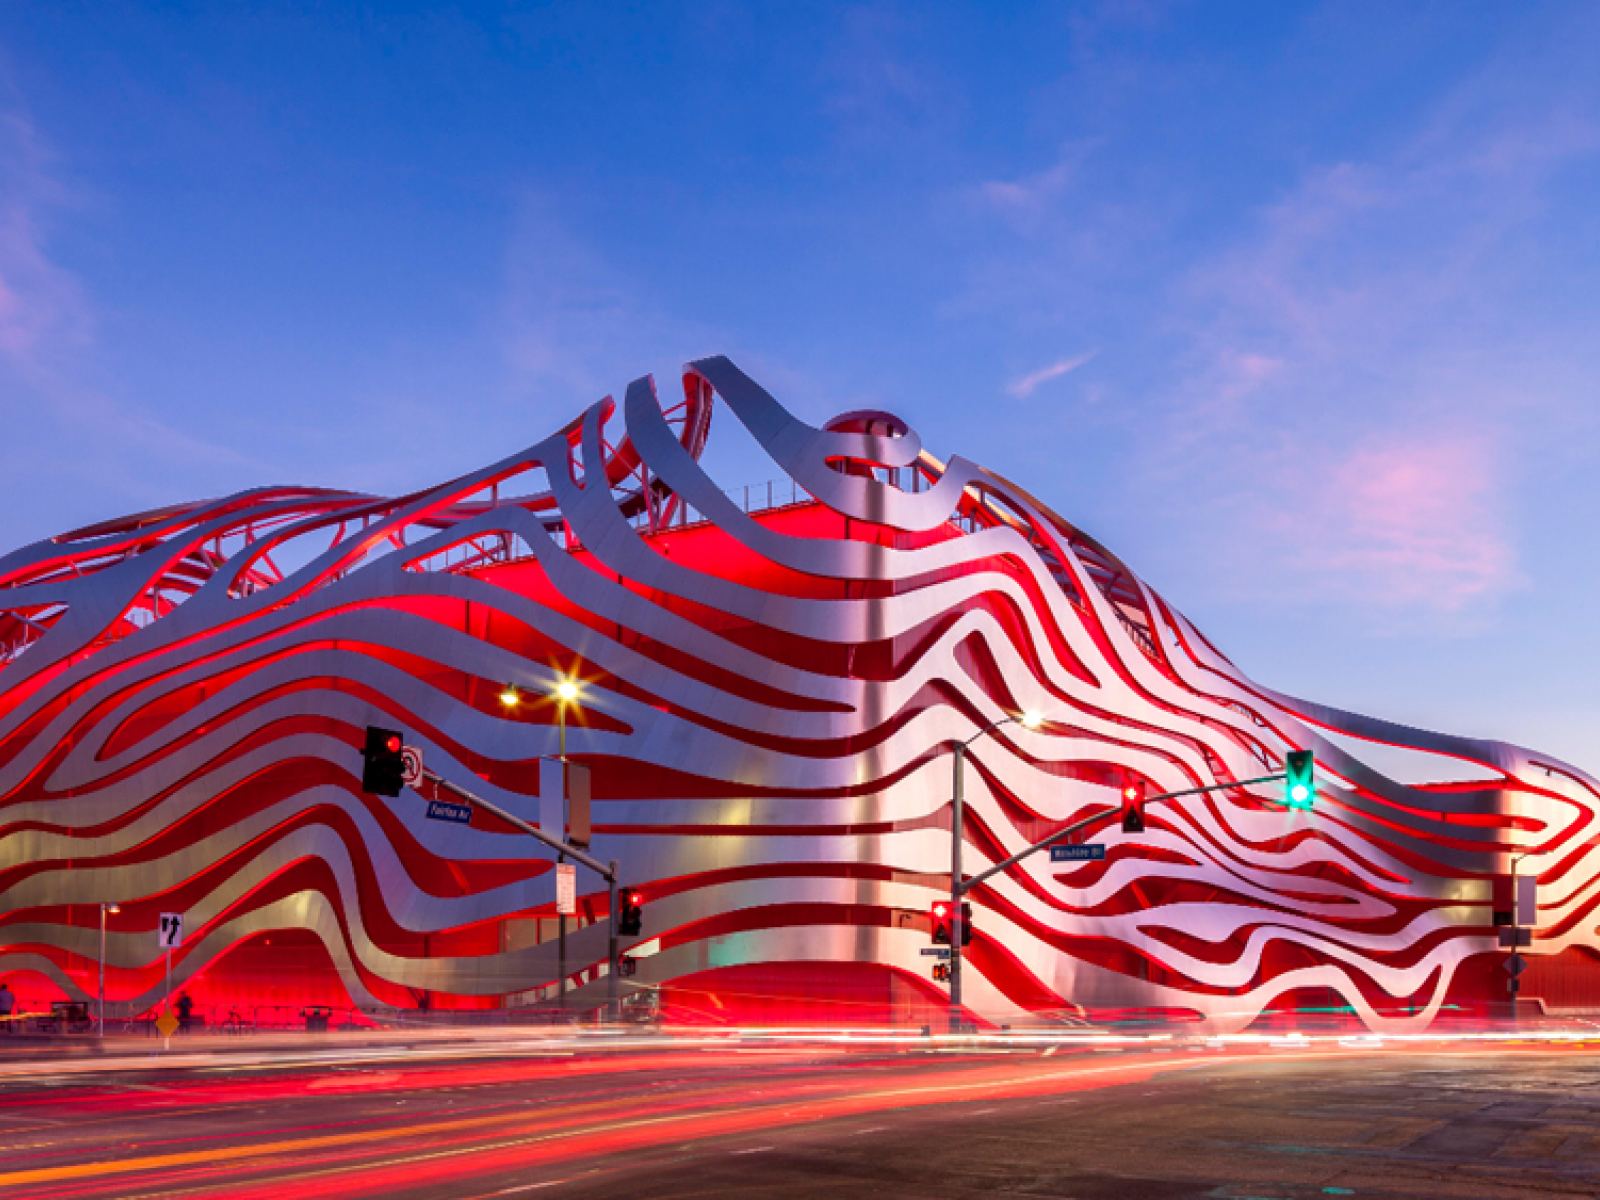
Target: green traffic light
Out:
[1300,786]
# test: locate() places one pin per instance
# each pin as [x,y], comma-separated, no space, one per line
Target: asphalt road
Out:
[770,1121]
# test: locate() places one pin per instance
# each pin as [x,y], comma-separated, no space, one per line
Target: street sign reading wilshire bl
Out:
[1083,852]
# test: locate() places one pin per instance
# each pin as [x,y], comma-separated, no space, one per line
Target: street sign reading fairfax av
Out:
[444,810]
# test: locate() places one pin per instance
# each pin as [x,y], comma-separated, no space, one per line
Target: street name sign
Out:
[445,810]
[1082,852]
[936,951]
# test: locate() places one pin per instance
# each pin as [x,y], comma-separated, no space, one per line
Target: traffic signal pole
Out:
[957,808]
[607,871]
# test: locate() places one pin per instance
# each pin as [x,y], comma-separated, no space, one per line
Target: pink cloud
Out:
[1413,521]
[1024,387]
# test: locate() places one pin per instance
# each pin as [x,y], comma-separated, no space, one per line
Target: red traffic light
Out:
[1132,792]
[636,898]
[393,744]
[941,910]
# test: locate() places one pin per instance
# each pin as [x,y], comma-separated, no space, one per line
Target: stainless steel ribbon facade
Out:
[769,702]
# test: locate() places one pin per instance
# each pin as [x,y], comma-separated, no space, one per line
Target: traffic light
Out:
[381,763]
[1133,808]
[1299,783]
[630,917]
[966,923]
[939,922]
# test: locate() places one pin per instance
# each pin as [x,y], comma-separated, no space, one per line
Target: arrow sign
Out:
[1086,852]
[1516,965]
[170,931]
[444,810]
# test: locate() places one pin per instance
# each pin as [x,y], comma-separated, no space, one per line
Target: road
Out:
[762,1119]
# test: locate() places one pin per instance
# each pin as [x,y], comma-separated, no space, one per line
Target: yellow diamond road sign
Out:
[166,1024]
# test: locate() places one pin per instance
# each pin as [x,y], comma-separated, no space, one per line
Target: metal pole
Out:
[613,993]
[955,886]
[516,822]
[102,969]
[1516,934]
[561,918]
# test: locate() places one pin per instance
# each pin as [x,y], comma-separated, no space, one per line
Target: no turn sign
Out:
[411,765]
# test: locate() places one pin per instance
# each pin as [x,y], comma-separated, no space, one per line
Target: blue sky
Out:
[1297,307]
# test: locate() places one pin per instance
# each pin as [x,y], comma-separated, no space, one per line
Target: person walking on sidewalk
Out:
[8,1004]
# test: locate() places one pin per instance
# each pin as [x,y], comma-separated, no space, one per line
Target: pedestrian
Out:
[184,1007]
[8,1004]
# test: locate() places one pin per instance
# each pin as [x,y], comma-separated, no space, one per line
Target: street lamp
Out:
[113,908]
[1028,719]
[566,693]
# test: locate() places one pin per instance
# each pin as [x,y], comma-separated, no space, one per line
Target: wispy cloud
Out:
[63,428]
[42,310]
[1363,378]
[1025,386]
[576,324]
[878,89]
[1405,519]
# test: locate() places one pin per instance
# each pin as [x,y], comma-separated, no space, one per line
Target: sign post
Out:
[550,831]
[169,933]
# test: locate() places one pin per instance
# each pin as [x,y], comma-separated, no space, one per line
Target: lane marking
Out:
[981,1081]
[531,1187]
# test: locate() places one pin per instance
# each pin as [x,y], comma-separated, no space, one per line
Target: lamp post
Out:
[1028,720]
[565,693]
[105,907]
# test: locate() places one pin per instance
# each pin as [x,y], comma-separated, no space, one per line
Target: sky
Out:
[1294,306]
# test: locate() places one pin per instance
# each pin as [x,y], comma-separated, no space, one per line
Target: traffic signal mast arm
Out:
[967,885]
[607,871]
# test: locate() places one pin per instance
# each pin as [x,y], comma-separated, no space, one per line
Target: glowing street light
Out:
[566,691]
[1032,719]
[509,696]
